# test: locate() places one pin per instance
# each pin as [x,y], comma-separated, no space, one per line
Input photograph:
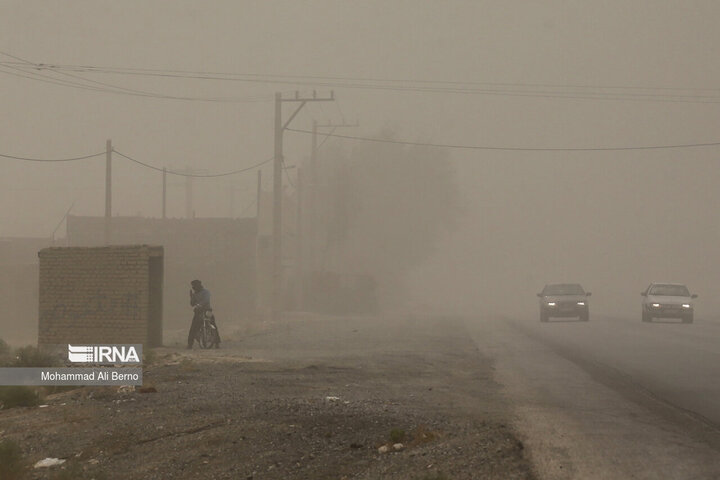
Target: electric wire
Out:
[522,149]
[47,79]
[196,175]
[287,175]
[223,75]
[423,85]
[323,113]
[638,97]
[31,64]
[23,66]
[51,160]
[342,116]
[327,135]
[247,208]
[125,91]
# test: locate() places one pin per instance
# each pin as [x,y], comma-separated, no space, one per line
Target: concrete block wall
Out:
[95,294]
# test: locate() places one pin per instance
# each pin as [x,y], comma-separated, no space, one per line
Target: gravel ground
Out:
[306,398]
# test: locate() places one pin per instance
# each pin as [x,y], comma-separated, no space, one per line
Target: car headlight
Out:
[686,305]
[582,304]
[655,305]
[551,304]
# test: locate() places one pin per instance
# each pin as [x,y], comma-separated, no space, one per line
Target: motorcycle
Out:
[207,335]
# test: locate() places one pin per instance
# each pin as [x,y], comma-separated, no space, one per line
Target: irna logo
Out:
[115,354]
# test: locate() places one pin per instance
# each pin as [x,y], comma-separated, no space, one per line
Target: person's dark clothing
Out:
[200,300]
[200,297]
[194,327]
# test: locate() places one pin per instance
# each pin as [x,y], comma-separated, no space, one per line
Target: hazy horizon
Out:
[553,74]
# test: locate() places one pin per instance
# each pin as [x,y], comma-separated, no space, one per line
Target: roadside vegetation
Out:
[19,396]
[28,356]
[31,356]
[397,435]
[12,464]
[5,352]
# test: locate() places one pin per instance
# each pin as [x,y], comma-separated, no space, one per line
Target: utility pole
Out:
[164,199]
[311,208]
[257,202]
[188,196]
[313,154]
[189,177]
[312,213]
[277,212]
[108,191]
[299,265]
[277,190]
[231,197]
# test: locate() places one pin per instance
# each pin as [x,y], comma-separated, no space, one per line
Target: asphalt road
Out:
[611,398]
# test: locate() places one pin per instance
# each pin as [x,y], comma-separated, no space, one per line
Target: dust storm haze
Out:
[444,229]
[435,164]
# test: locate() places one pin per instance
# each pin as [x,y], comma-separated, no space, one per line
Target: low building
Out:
[99,295]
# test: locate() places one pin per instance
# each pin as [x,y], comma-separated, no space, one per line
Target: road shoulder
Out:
[316,398]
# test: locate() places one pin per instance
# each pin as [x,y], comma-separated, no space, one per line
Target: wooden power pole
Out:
[312,195]
[164,199]
[277,297]
[108,191]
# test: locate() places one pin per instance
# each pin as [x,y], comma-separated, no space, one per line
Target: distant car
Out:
[564,300]
[667,300]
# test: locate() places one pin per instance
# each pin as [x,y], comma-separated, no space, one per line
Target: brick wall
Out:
[95,294]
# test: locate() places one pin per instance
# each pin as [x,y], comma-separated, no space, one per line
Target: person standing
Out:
[200,301]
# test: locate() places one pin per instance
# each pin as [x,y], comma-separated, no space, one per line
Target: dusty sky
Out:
[613,220]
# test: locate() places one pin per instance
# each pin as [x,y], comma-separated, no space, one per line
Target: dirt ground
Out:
[305,398]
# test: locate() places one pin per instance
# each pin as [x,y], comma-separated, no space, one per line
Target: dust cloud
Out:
[528,100]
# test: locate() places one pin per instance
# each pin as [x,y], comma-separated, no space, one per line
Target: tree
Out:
[387,205]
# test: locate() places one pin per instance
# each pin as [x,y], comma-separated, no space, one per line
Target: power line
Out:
[326,137]
[50,80]
[322,112]
[197,175]
[641,97]
[99,154]
[31,64]
[24,73]
[229,75]
[522,149]
[365,139]
[342,116]
[129,90]
[490,88]
[110,88]
[312,112]
[50,160]
[245,210]
[287,175]
[124,91]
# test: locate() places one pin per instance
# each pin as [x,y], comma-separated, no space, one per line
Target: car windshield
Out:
[669,290]
[563,289]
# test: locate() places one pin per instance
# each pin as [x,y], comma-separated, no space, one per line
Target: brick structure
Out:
[101,295]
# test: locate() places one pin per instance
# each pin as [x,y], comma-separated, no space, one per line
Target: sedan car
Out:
[564,300]
[667,300]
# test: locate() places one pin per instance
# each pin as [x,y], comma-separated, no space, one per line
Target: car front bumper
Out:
[565,310]
[669,311]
